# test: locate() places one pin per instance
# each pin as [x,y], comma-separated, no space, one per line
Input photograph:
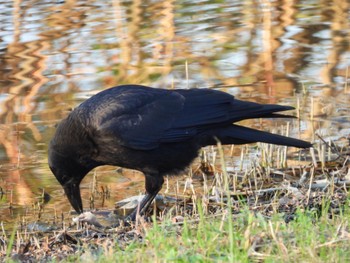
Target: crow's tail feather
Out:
[235,134]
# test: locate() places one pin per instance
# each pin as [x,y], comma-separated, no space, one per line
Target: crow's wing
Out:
[207,106]
[206,109]
[132,116]
[141,118]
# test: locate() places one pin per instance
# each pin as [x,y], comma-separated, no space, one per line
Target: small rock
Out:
[127,205]
[87,217]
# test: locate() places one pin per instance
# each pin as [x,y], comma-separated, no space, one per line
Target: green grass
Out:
[308,238]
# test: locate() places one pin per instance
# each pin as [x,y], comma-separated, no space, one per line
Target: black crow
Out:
[158,132]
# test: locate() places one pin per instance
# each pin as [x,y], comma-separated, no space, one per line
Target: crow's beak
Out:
[72,191]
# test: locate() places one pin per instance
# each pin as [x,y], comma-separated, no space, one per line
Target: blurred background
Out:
[55,54]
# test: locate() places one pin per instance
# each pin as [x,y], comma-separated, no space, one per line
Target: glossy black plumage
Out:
[155,131]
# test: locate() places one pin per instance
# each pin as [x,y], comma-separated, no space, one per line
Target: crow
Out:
[156,131]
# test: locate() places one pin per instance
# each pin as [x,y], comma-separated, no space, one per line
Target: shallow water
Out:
[55,54]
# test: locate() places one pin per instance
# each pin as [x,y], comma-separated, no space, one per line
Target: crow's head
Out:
[69,173]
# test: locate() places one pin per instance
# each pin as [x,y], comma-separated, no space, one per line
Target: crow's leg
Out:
[153,184]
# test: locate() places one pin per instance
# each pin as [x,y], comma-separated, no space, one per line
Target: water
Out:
[55,54]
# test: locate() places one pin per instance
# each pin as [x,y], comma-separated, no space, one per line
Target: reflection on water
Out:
[54,54]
